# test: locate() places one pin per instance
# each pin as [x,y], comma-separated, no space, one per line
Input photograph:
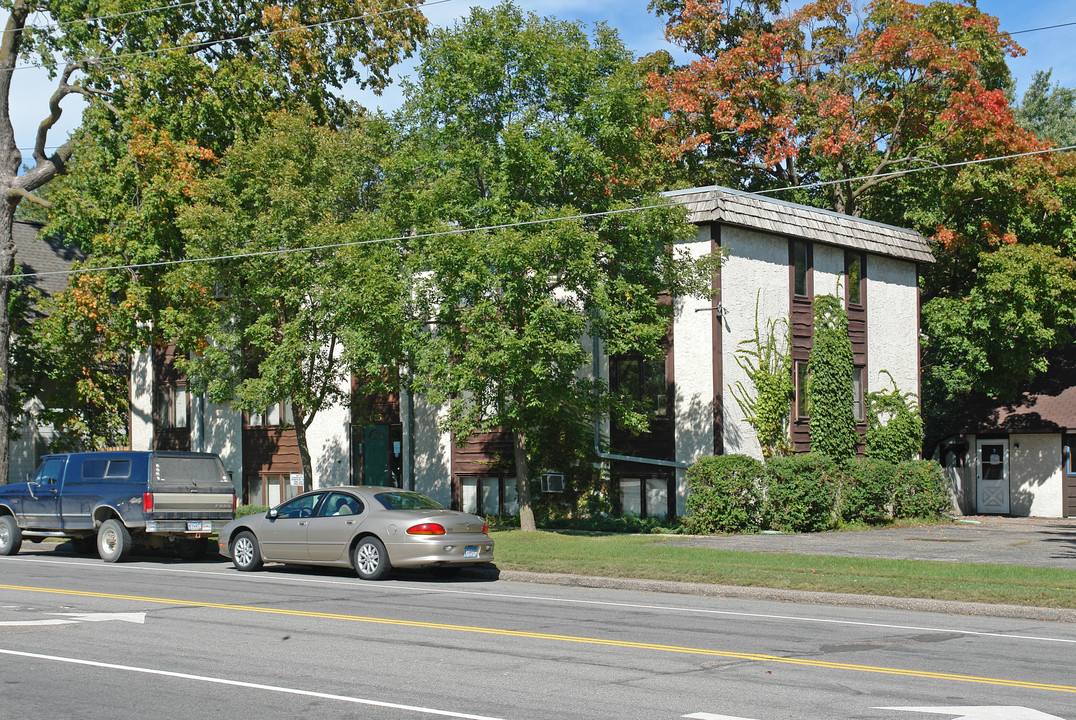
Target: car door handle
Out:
[349,522]
[302,523]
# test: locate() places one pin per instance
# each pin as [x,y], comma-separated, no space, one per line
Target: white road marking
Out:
[252,686]
[135,617]
[131,617]
[380,588]
[711,716]
[983,712]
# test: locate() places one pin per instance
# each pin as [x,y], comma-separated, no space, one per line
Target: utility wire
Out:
[896,173]
[504,226]
[336,246]
[86,21]
[249,36]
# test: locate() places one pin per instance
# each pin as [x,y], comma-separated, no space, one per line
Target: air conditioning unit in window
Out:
[552,483]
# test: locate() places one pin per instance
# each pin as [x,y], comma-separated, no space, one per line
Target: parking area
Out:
[1040,542]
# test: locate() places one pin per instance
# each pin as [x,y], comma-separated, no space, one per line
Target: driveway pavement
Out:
[1041,542]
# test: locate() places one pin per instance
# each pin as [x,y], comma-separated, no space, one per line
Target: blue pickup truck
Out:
[107,501]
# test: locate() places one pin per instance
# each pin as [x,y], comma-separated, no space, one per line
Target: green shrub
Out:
[725,495]
[921,490]
[801,492]
[244,510]
[894,425]
[867,490]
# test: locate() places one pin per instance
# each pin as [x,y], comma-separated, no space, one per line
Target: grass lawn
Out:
[649,557]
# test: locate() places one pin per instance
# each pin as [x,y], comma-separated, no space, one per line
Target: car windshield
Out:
[407,501]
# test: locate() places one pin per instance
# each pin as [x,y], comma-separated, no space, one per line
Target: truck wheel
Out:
[246,555]
[370,559]
[113,541]
[192,548]
[10,535]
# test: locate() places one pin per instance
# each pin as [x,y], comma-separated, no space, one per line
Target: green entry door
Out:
[376,452]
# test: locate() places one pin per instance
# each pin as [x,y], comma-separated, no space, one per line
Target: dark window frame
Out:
[855,291]
[165,406]
[800,376]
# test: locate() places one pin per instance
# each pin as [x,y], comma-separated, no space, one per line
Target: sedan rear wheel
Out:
[246,555]
[370,559]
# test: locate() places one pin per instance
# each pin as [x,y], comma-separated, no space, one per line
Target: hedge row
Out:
[809,493]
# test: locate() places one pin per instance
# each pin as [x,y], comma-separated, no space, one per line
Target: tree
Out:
[878,107]
[1049,111]
[830,397]
[996,336]
[833,91]
[190,71]
[280,321]
[516,119]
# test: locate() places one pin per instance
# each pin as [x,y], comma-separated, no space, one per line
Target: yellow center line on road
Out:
[804,662]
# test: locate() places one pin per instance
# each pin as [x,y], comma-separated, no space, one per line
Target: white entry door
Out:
[992,476]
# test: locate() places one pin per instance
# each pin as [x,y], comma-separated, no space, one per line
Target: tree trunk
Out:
[523,483]
[304,449]
[7,266]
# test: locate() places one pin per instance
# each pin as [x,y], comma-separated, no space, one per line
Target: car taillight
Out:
[235,502]
[426,529]
[485,529]
[147,502]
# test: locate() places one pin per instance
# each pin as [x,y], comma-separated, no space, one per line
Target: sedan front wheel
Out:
[370,559]
[245,552]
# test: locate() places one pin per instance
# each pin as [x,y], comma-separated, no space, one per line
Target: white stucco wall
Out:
[693,367]
[219,429]
[755,273]
[142,401]
[433,453]
[1035,479]
[892,324]
[329,441]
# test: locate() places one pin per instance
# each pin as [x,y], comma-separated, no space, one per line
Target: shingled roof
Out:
[1047,404]
[37,253]
[735,207]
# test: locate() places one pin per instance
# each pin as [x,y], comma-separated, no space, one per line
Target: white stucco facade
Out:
[892,324]
[142,401]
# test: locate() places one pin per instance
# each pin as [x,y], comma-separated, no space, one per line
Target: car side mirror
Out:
[272,514]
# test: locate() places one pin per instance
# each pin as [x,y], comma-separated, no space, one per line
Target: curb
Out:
[1023,612]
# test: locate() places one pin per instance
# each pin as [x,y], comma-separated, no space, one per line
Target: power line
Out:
[81,21]
[336,246]
[897,173]
[249,36]
[505,226]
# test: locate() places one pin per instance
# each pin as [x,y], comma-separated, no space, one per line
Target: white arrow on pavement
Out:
[985,712]
[139,617]
[135,617]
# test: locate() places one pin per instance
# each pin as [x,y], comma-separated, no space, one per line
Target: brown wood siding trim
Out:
[373,409]
[1068,494]
[172,439]
[717,322]
[270,449]
[801,312]
[483,454]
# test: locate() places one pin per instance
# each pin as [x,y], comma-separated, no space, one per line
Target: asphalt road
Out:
[158,638]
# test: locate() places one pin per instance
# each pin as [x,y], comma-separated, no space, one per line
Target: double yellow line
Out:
[656,647]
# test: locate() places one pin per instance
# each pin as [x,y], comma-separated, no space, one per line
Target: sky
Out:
[641,32]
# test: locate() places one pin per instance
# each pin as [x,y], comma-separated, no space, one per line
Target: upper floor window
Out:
[853,271]
[644,381]
[172,405]
[279,413]
[800,265]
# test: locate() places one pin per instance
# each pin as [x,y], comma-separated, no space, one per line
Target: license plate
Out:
[471,551]
[196,526]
